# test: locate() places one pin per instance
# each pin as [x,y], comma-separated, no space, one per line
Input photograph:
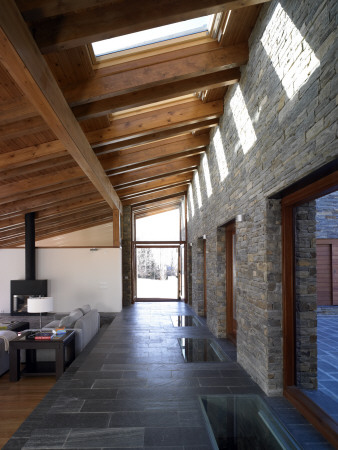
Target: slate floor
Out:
[131,389]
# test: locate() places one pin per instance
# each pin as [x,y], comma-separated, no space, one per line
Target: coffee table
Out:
[34,367]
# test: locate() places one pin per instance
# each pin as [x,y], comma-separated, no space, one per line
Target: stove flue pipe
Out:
[30,245]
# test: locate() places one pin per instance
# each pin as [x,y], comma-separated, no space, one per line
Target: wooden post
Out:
[116,229]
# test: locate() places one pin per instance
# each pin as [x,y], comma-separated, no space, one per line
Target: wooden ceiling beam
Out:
[89,25]
[17,110]
[196,67]
[21,57]
[25,156]
[33,183]
[67,228]
[55,149]
[72,204]
[49,222]
[156,94]
[157,171]
[172,201]
[154,190]
[22,127]
[203,126]
[160,182]
[149,152]
[157,211]
[155,195]
[54,177]
[155,162]
[41,200]
[156,121]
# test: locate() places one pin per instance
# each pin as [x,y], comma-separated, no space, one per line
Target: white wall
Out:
[76,276]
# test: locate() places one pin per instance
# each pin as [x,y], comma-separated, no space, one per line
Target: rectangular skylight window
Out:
[151,36]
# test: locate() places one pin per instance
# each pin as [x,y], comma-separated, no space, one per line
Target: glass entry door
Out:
[157,272]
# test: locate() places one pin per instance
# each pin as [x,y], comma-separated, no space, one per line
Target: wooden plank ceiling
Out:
[81,138]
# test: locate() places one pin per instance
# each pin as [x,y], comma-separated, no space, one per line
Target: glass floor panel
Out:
[200,350]
[244,422]
[185,321]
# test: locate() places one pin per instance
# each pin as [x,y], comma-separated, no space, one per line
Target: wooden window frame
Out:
[310,410]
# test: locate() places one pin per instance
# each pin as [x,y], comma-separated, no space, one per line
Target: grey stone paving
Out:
[326,396]
[131,389]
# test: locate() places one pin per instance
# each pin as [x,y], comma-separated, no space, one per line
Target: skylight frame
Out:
[154,48]
[156,35]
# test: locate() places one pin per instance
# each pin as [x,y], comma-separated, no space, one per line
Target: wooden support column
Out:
[116,229]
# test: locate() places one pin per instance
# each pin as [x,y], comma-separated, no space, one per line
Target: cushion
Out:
[76,314]
[53,324]
[67,322]
[85,309]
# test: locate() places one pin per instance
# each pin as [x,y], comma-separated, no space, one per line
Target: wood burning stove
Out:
[30,287]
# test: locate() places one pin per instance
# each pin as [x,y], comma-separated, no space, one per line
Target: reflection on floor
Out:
[201,350]
[327,337]
[132,389]
[185,321]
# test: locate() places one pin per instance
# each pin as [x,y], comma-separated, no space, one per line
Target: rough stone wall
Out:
[126,257]
[189,273]
[198,277]
[219,325]
[306,296]
[279,125]
[327,216]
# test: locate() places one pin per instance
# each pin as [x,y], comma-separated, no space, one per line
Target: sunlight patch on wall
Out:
[220,155]
[198,189]
[294,66]
[191,201]
[245,129]
[206,173]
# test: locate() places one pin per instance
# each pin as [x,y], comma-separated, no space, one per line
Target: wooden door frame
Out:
[230,231]
[205,303]
[315,415]
[153,244]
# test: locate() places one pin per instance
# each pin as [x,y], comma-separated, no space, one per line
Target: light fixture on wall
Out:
[204,236]
[240,218]
[39,305]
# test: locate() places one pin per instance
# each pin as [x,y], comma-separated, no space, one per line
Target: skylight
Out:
[151,36]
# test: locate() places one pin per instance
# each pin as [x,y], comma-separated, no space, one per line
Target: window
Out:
[151,36]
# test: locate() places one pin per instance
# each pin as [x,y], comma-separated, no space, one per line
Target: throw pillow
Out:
[67,322]
[85,309]
[76,314]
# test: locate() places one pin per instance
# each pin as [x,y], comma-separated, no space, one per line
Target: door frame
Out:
[157,244]
[230,232]
[310,410]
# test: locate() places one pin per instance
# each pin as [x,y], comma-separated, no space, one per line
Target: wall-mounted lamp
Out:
[240,218]
[204,236]
[190,244]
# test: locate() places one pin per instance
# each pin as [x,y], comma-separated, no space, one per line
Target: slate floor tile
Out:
[159,418]
[108,437]
[76,420]
[47,438]
[160,437]
[133,390]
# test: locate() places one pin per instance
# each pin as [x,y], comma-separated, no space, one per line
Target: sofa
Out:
[85,321]
[5,337]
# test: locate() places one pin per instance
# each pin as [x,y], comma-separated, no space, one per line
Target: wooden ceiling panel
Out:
[68,30]
[71,131]
[163,193]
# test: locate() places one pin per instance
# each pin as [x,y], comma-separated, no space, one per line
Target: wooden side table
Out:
[34,367]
